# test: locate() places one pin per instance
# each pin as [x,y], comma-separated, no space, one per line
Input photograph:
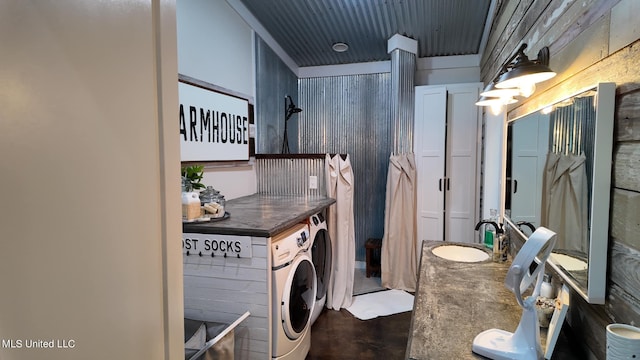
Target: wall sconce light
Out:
[496,98]
[517,77]
[489,101]
[496,103]
[492,91]
[289,109]
[522,72]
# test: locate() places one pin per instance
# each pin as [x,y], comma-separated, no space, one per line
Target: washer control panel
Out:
[285,246]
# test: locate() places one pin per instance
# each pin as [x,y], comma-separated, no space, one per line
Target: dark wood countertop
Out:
[261,215]
[456,301]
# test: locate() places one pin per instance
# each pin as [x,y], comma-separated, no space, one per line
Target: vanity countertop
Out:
[456,301]
[261,215]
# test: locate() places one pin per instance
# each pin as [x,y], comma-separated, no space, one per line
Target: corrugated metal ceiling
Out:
[306,29]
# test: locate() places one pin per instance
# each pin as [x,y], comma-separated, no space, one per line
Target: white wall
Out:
[447,76]
[494,140]
[442,70]
[215,45]
[90,220]
[233,181]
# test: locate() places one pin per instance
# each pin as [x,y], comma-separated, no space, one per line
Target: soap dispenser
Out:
[489,233]
[489,236]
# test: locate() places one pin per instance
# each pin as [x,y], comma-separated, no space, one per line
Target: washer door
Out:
[298,297]
[321,257]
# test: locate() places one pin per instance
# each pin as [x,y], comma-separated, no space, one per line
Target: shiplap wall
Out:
[590,41]
[222,289]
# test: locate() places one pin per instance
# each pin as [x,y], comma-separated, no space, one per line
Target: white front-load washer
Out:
[321,258]
[294,293]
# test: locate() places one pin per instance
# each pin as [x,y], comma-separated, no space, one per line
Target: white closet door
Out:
[531,136]
[429,147]
[463,141]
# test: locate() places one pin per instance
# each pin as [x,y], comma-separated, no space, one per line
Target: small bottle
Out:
[222,201]
[546,289]
[500,246]
[496,249]
[493,215]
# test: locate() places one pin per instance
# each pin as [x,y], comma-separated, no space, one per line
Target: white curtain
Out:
[399,254]
[565,200]
[340,223]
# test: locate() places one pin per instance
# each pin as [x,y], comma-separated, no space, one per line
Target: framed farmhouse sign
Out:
[214,126]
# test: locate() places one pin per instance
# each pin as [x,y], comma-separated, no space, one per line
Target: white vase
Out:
[623,342]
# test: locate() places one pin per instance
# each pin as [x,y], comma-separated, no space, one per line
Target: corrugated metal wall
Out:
[341,115]
[275,82]
[290,176]
[573,131]
[351,114]
[403,70]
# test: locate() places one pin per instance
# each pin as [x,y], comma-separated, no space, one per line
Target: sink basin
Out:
[570,263]
[460,253]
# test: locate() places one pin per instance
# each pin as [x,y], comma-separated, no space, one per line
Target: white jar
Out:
[546,289]
[190,205]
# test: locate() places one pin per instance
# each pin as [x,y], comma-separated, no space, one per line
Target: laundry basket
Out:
[207,340]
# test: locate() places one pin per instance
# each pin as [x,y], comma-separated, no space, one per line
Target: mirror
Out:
[558,175]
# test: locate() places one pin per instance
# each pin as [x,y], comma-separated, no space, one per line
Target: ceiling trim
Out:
[487,27]
[345,69]
[448,62]
[432,63]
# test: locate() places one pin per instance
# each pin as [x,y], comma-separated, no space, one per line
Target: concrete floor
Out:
[363,284]
[340,335]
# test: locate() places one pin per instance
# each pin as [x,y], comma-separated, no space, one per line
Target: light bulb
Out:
[527,89]
[496,108]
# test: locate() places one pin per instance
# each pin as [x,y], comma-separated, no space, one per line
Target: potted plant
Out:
[192,177]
